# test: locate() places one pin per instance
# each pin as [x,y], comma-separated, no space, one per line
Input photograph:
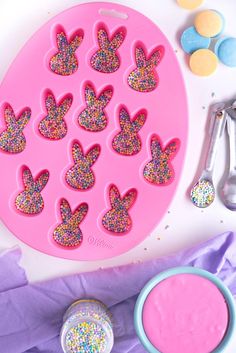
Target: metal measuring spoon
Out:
[203,192]
[229,188]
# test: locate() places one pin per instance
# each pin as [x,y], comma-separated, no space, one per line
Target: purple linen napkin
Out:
[31,314]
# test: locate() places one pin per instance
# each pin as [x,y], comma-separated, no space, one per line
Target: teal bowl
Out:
[231,330]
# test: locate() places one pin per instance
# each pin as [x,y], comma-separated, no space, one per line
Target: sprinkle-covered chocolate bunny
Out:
[93,117]
[117,219]
[12,140]
[128,142]
[65,62]
[144,78]
[106,59]
[80,176]
[68,233]
[159,170]
[53,126]
[30,201]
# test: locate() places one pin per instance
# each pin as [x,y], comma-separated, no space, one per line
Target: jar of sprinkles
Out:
[87,328]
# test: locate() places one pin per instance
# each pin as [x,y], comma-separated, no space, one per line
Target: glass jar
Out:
[87,328]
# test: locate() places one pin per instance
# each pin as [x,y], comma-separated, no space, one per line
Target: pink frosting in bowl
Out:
[190,311]
[185,313]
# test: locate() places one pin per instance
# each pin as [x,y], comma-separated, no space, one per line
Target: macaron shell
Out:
[226,51]
[190,4]
[191,41]
[223,24]
[209,23]
[203,62]
[217,45]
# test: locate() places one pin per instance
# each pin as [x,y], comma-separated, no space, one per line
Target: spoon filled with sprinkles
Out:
[203,192]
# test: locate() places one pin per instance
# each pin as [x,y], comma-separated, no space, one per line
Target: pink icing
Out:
[185,313]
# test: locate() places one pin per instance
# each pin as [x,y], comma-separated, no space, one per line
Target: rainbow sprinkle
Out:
[159,171]
[86,337]
[30,201]
[203,193]
[93,117]
[118,220]
[127,142]
[53,125]
[87,328]
[80,176]
[68,233]
[12,140]
[144,78]
[105,59]
[65,62]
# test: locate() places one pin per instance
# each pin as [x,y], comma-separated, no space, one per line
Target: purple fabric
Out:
[31,314]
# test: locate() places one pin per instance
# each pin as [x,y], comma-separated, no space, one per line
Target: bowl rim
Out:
[184,270]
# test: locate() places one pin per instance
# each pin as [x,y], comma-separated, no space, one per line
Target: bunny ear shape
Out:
[114,195]
[50,103]
[77,152]
[24,118]
[76,41]
[103,39]
[9,115]
[129,198]
[117,39]
[140,57]
[156,57]
[90,95]
[79,214]
[139,121]
[65,105]
[105,97]
[42,180]
[62,41]
[28,179]
[172,148]
[93,154]
[65,210]
[156,147]
[124,119]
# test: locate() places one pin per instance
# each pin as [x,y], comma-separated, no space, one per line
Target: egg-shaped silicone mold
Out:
[104,134]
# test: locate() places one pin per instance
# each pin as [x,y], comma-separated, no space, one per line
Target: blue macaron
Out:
[225,49]
[191,41]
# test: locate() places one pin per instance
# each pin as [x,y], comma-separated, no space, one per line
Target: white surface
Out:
[184,225]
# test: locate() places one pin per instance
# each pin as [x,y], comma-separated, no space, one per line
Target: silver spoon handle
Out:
[231,128]
[217,130]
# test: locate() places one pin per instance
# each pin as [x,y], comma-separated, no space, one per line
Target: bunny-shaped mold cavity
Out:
[117,219]
[65,62]
[53,126]
[93,117]
[106,59]
[30,201]
[127,142]
[80,176]
[12,140]
[144,78]
[159,170]
[68,233]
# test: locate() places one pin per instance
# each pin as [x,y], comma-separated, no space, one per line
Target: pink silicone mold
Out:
[83,167]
